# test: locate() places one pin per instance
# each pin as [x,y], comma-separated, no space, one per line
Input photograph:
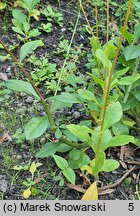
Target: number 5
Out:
[131,207]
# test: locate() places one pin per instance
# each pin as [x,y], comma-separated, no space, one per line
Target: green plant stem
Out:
[131,86]
[43,102]
[87,21]
[107,24]
[67,55]
[107,90]
[66,141]
[9,3]
[96,17]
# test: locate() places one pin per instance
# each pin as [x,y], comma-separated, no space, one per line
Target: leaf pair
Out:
[67,171]
[100,164]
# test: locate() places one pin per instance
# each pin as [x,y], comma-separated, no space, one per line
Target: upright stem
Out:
[87,21]
[68,51]
[131,85]
[96,17]
[107,24]
[43,102]
[107,91]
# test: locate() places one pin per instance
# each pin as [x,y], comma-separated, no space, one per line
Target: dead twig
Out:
[134,162]
[119,180]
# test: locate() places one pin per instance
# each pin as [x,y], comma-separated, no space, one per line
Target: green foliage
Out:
[22,25]
[77,158]
[48,149]
[132,52]
[29,47]
[46,27]
[43,71]
[106,137]
[63,165]
[107,98]
[113,114]
[36,127]
[87,95]
[65,100]
[52,15]
[121,140]
[129,80]
[82,132]
[110,165]
[29,5]
[19,85]
[2,5]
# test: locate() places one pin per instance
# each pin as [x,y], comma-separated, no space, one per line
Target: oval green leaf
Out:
[70,175]
[47,150]
[110,165]
[113,114]
[36,127]
[121,140]
[29,47]
[82,132]
[21,86]
[106,137]
[61,162]
[129,80]
[132,52]
[87,95]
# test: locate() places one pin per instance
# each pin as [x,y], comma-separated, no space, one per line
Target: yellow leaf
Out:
[35,13]
[87,168]
[19,3]
[91,193]
[2,5]
[94,115]
[38,164]
[33,168]
[27,193]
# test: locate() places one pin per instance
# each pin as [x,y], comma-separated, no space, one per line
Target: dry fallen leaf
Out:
[104,192]
[5,137]
[3,76]
[91,193]
[80,189]
[114,24]
[37,180]
[122,157]
[127,152]
[27,193]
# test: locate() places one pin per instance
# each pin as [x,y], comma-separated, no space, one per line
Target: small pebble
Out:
[39,107]
[114,172]
[19,157]
[82,37]
[22,94]
[134,176]
[21,110]
[19,105]
[3,184]
[29,100]
[8,70]
[9,75]
[43,114]
[42,140]
[63,29]
[76,115]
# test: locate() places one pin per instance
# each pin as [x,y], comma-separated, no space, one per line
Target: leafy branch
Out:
[42,100]
[107,89]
